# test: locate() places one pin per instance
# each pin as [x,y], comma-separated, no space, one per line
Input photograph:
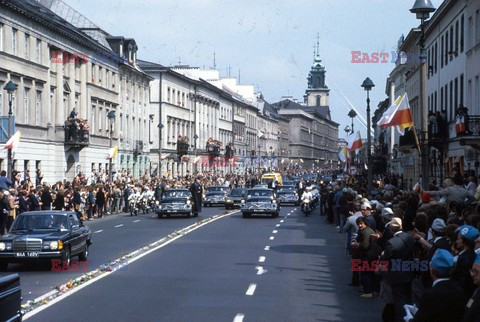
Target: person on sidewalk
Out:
[472,312]
[445,301]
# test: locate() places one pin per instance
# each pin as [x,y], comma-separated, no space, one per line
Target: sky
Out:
[267,43]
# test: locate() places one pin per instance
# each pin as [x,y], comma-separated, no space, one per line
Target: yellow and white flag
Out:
[112,153]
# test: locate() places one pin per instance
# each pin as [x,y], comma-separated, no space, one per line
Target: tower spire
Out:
[318,43]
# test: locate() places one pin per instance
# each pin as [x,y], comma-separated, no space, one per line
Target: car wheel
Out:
[3,266]
[84,255]
[66,257]
[245,215]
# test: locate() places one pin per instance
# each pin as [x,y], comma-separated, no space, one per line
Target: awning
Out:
[165,156]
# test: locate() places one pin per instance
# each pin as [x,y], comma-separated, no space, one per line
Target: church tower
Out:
[317,92]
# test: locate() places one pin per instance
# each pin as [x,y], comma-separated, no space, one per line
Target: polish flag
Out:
[13,142]
[354,142]
[399,115]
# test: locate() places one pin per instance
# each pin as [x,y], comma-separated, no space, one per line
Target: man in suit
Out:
[398,249]
[465,244]
[445,301]
[197,193]
[472,313]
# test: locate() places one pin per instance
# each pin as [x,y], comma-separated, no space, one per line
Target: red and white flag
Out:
[13,142]
[354,142]
[398,115]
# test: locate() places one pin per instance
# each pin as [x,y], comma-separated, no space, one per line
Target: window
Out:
[451,42]
[100,116]
[107,78]
[452,109]
[14,41]
[26,103]
[27,47]
[38,107]
[441,52]
[94,111]
[461,89]
[436,58]
[462,27]
[456,39]
[470,32]
[38,51]
[168,94]
[456,93]
[121,125]
[477,27]
[446,48]
[1,37]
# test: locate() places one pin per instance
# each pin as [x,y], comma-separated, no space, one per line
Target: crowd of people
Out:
[407,246]
[418,250]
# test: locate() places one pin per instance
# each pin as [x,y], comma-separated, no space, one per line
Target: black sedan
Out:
[45,235]
[287,197]
[214,198]
[260,201]
[175,202]
[235,197]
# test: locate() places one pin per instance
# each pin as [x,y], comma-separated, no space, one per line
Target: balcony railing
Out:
[471,126]
[77,132]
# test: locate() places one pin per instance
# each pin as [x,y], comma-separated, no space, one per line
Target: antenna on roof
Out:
[214,61]
[179,61]
[239,76]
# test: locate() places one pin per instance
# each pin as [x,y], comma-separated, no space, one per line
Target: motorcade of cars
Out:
[45,235]
[235,197]
[287,197]
[176,201]
[10,298]
[260,201]
[287,188]
[214,198]
[267,178]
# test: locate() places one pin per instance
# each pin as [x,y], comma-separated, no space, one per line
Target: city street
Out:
[292,268]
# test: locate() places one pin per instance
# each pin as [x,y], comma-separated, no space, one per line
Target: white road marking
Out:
[239,317]
[187,230]
[275,231]
[118,225]
[267,248]
[277,225]
[281,221]
[260,270]
[272,238]
[136,220]
[261,259]
[98,231]
[251,289]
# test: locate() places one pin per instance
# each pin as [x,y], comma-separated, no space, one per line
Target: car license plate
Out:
[26,254]
[258,210]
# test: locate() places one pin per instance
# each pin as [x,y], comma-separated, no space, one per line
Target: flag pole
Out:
[416,140]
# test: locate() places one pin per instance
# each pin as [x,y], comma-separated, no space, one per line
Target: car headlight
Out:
[54,245]
[274,201]
[2,247]
[229,200]
[157,202]
[306,201]
[188,202]
[203,196]
[243,201]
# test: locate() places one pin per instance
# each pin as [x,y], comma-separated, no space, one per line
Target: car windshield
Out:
[260,193]
[40,222]
[257,199]
[285,193]
[177,194]
[211,189]
[237,193]
[216,193]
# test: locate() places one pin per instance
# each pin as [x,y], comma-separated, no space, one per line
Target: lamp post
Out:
[111,119]
[160,129]
[352,114]
[422,9]
[347,129]
[10,88]
[195,137]
[259,157]
[368,85]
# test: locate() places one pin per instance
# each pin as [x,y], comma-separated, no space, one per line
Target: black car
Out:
[10,298]
[287,197]
[214,198]
[45,235]
[287,188]
[260,201]
[235,197]
[217,188]
[175,202]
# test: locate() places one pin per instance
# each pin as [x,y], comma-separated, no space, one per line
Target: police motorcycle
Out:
[307,202]
[147,201]
[134,202]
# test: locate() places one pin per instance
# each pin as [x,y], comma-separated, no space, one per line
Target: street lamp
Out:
[422,9]
[347,129]
[352,114]
[10,88]
[160,128]
[368,85]
[111,119]
[195,137]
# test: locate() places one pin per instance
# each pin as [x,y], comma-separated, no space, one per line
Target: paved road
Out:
[113,237]
[290,268]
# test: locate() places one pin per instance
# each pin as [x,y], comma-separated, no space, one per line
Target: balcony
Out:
[213,148]
[76,134]
[407,141]
[469,134]
[137,147]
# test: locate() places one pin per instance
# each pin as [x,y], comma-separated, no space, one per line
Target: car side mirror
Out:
[75,227]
